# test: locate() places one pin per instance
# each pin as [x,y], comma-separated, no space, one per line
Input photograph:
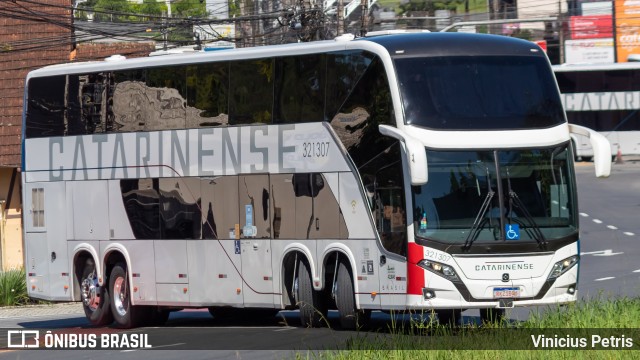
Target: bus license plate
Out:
[507,292]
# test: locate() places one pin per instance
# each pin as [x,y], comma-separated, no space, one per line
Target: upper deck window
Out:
[479,93]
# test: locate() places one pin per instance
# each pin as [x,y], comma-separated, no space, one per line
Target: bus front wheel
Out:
[350,317]
[95,298]
[309,302]
[125,314]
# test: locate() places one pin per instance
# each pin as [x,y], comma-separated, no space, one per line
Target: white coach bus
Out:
[409,171]
[605,98]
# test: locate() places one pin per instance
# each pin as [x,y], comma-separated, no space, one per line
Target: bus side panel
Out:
[355,209]
[90,209]
[47,264]
[361,240]
[172,273]
[214,266]
[143,271]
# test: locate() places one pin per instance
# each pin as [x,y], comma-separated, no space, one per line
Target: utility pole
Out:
[560,32]
[340,15]
[364,18]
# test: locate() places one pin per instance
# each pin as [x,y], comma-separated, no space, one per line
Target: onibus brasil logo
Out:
[32,339]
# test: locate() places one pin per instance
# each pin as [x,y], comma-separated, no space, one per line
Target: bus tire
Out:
[492,315]
[449,317]
[126,315]
[308,300]
[350,317]
[95,298]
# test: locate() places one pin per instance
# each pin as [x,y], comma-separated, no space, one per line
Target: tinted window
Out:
[130,104]
[479,93]
[180,214]
[142,204]
[621,120]
[208,95]
[598,81]
[382,177]
[299,86]
[367,106]
[344,70]
[166,98]
[96,90]
[46,107]
[251,92]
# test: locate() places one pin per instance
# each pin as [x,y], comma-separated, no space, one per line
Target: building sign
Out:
[627,15]
[591,27]
[591,51]
[216,36]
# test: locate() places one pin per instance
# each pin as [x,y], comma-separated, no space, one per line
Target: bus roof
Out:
[455,44]
[596,67]
[409,44]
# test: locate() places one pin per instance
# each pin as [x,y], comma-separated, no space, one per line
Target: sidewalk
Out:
[41,310]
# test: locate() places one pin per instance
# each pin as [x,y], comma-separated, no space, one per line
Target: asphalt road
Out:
[610,232]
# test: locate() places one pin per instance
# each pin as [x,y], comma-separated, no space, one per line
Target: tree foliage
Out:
[429,6]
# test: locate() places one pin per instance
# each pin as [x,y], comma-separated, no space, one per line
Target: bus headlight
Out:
[443,270]
[563,266]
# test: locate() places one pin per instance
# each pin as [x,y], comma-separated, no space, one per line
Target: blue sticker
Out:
[512,231]
[236,243]
[248,215]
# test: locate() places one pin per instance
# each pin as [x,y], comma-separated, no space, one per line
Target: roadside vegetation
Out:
[13,288]
[423,338]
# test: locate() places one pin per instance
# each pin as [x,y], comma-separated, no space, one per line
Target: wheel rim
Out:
[120,296]
[90,292]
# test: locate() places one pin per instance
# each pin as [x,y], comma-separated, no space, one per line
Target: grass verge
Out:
[13,288]
[585,323]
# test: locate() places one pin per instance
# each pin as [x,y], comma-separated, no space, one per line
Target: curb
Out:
[42,310]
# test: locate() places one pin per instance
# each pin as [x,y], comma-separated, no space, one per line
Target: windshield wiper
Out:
[513,197]
[480,220]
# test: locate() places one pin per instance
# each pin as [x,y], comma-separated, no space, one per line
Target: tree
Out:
[112,10]
[190,8]
[150,7]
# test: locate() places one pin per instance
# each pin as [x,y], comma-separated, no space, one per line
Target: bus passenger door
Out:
[255,244]
[46,241]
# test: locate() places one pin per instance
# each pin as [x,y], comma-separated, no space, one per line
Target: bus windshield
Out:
[462,197]
[479,93]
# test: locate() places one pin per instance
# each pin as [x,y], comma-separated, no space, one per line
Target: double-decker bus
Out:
[399,172]
[605,98]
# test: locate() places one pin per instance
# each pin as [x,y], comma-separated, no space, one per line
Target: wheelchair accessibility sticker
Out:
[512,231]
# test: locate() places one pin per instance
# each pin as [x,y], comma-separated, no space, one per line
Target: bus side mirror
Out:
[601,149]
[416,153]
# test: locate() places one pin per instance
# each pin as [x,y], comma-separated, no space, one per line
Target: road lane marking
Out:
[285,329]
[636,271]
[628,233]
[584,215]
[605,278]
[612,227]
[597,221]
[607,252]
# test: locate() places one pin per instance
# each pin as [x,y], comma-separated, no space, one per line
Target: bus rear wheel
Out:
[350,317]
[309,301]
[95,298]
[125,314]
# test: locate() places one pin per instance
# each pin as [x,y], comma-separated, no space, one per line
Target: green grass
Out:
[13,288]
[602,316]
